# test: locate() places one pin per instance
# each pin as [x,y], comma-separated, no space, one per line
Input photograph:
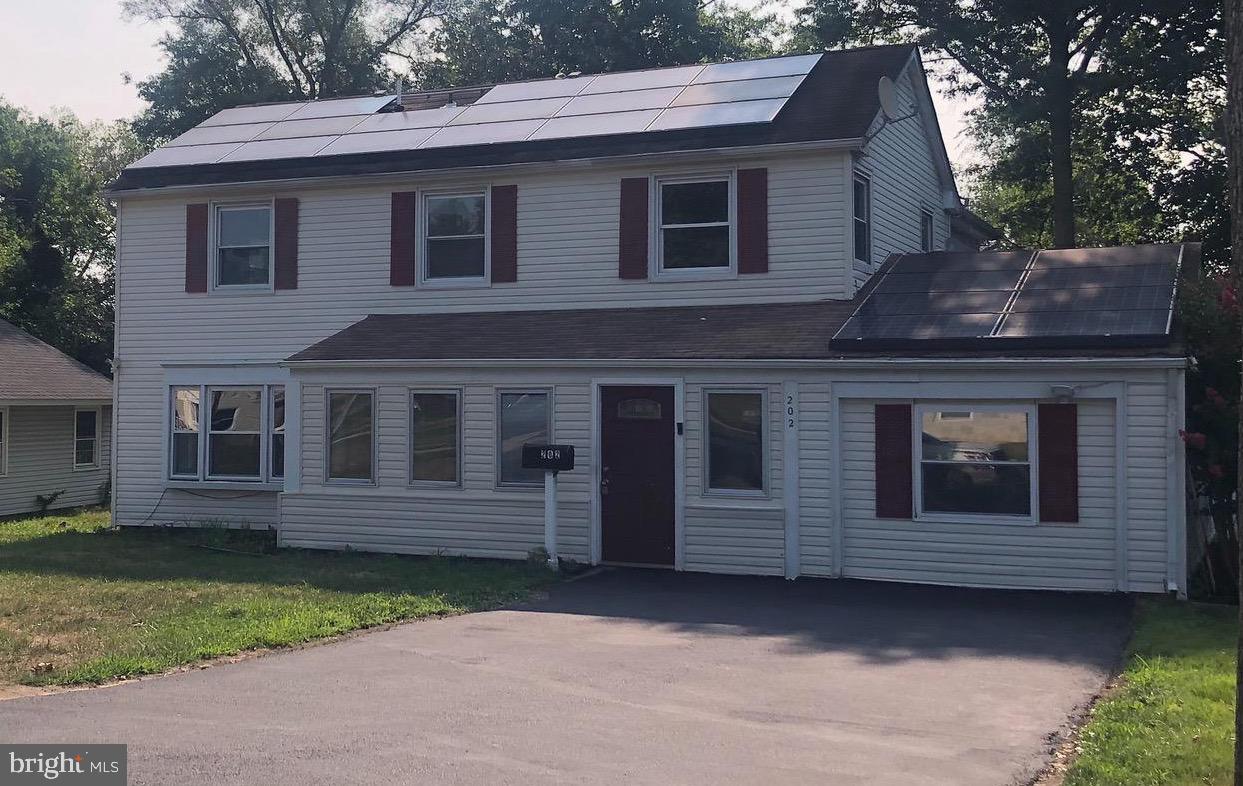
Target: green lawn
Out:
[1171,721]
[80,603]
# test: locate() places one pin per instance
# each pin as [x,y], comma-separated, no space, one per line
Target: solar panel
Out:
[1079,295]
[542,88]
[643,80]
[596,125]
[757,69]
[185,155]
[279,148]
[633,102]
[717,114]
[268,113]
[745,90]
[337,107]
[210,135]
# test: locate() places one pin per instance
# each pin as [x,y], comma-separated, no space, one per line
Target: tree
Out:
[227,52]
[56,229]
[486,41]
[1038,62]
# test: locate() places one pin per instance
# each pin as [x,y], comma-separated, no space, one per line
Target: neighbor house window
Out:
[243,245]
[276,428]
[85,438]
[735,430]
[863,217]
[693,217]
[235,434]
[454,236]
[975,461]
[351,436]
[434,437]
[185,433]
[926,236]
[4,442]
[525,418]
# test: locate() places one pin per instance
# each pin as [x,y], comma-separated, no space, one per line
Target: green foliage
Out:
[1171,721]
[485,41]
[81,603]
[56,229]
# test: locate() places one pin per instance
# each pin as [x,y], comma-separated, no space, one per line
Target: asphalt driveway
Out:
[632,677]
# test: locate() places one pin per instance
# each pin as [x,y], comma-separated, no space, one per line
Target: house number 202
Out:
[790,414]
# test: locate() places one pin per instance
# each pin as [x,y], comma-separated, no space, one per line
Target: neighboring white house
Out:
[726,285]
[55,416]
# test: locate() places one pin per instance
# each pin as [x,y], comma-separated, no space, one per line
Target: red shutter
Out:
[752,220]
[894,478]
[504,234]
[196,248]
[632,248]
[1057,450]
[286,274]
[401,261]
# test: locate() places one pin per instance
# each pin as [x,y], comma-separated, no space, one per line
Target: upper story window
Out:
[927,237]
[243,246]
[693,220]
[455,233]
[976,462]
[85,438]
[863,217]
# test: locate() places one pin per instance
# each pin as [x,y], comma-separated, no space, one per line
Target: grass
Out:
[80,603]
[1171,721]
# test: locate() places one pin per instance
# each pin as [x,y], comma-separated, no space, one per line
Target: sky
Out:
[36,74]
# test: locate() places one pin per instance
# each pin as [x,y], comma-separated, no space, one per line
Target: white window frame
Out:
[421,239]
[99,419]
[765,446]
[4,441]
[270,406]
[656,239]
[375,437]
[860,176]
[265,442]
[214,233]
[457,394]
[929,242]
[205,414]
[917,467]
[552,405]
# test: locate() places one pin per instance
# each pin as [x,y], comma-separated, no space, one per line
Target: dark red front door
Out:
[636,482]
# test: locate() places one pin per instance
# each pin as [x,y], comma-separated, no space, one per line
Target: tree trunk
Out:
[1233,21]
[1059,93]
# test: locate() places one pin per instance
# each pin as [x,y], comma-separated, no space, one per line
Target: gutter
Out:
[824,363]
[379,178]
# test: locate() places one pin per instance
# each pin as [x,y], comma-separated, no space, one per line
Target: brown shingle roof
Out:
[31,370]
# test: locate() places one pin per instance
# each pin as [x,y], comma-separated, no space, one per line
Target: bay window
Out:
[229,433]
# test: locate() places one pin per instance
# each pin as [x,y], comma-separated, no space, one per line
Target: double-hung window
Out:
[975,461]
[435,437]
[863,217]
[525,417]
[85,438]
[694,229]
[455,234]
[735,428]
[243,246]
[226,433]
[351,436]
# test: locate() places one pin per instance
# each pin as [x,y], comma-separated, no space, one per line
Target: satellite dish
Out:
[888,98]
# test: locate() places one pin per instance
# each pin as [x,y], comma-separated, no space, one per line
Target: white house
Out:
[54,427]
[726,285]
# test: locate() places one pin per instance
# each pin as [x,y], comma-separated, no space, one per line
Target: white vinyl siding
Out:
[40,443]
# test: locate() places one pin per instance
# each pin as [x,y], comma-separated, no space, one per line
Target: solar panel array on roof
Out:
[659,99]
[1077,296]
